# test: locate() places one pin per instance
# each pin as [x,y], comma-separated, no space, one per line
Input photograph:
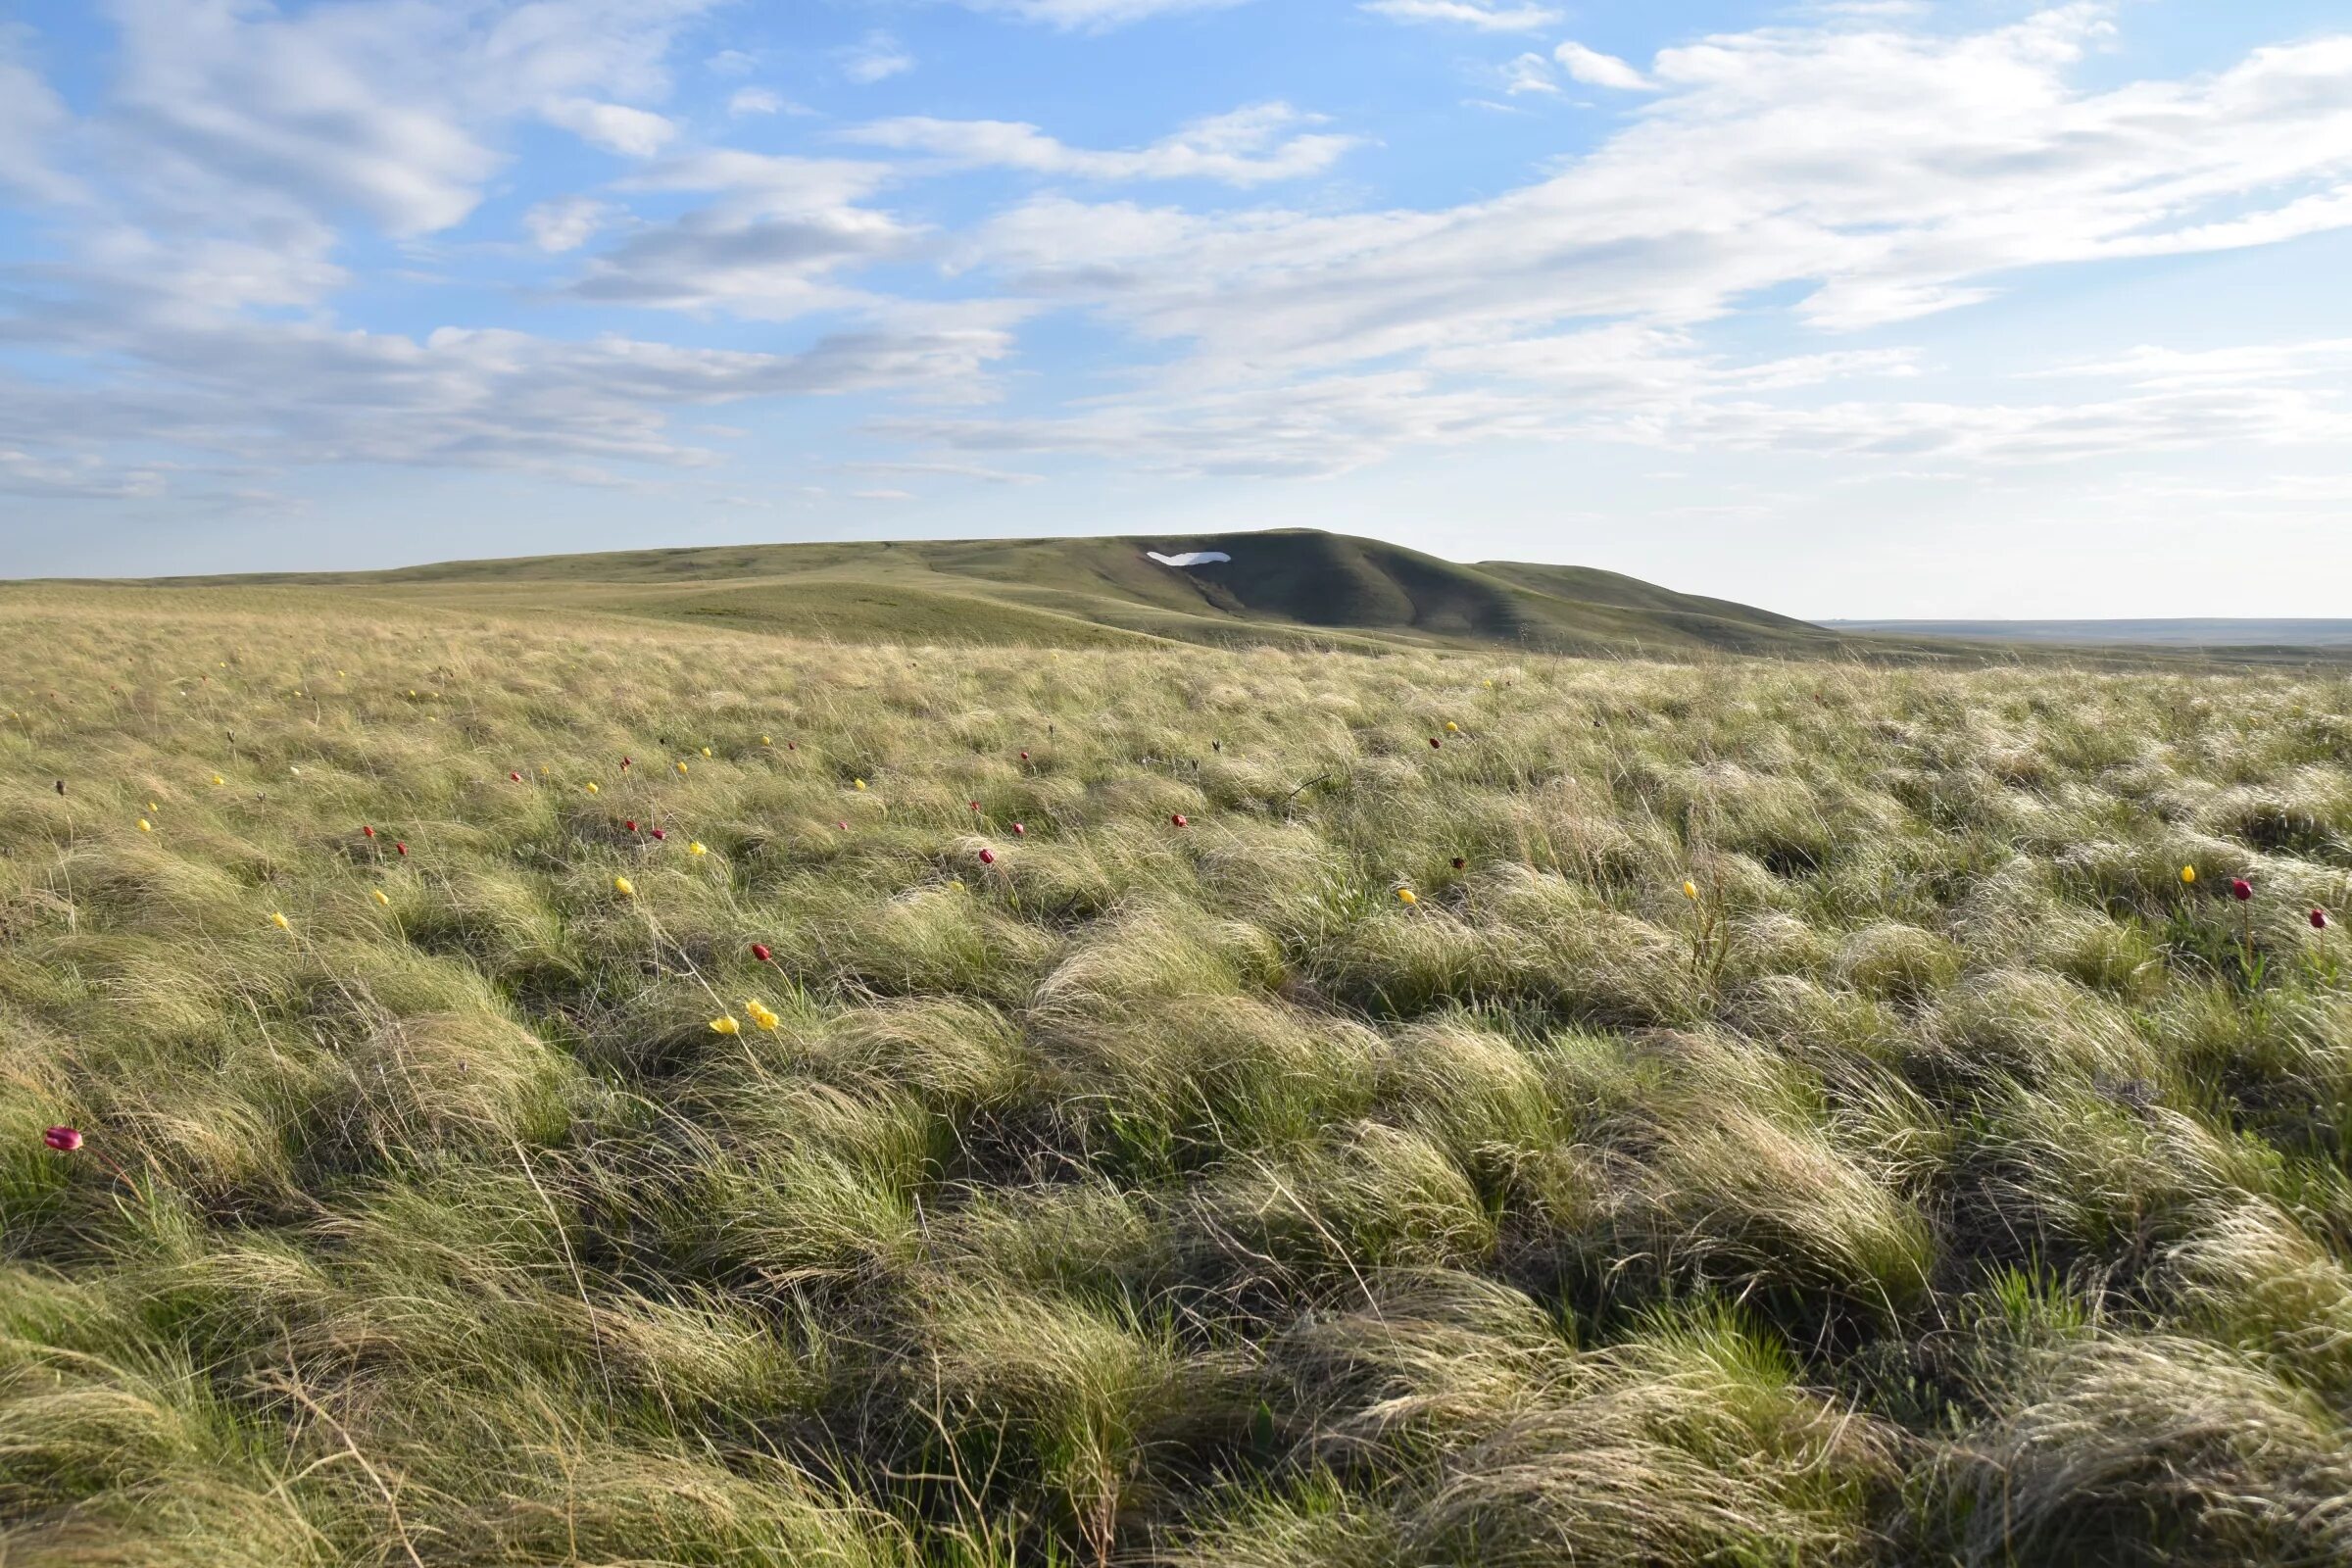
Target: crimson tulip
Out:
[759,951]
[2318,919]
[65,1140]
[988,857]
[2240,889]
[1179,820]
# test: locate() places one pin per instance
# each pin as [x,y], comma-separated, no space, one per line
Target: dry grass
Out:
[1938,1178]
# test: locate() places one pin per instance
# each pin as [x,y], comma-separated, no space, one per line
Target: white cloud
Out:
[1246,147]
[877,58]
[756,101]
[567,224]
[1093,14]
[1527,73]
[1596,69]
[730,62]
[1479,13]
[881,495]
[615,127]
[950,470]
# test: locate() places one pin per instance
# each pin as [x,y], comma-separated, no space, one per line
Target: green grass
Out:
[1935,1182]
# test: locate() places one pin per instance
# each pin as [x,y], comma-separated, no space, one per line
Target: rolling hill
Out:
[1286,587]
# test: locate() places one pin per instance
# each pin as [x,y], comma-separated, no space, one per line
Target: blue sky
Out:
[1882,308]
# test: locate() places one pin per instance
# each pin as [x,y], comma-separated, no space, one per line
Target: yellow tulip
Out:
[2188,874]
[759,1014]
[382,897]
[1407,895]
[706,750]
[1451,728]
[624,887]
[860,783]
[218,779]
[696,849]
[765,741]
[152,807]
[277,919]
[681,767]
[1690,891]
[591,789]
[146,826]
[725,1027]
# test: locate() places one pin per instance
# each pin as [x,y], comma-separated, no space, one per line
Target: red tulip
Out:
[630,825]
[988,857]
[1179,820]
[624,763]
[402,848]
[516,777]
[2240,889]
[1019,832]
[1459,863]
[975,806]
[367,832]
[2318,919]
[760,952]
[844,826]
[661,833]
[1025,757]
[1436,744]
[65,1140]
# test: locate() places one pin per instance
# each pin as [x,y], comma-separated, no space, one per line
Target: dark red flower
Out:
[624,763]
[661,833]
[516,777]
[2240,889]
[65,1140]
[1025,757]
[975,806]
[1019,831]
[760,952]
[844,826]
[2318,919]
[402,848]
[1436,744]
[988,857]
[367,832]
[1459,863]
[1179,820]
[792,746]
[630,825]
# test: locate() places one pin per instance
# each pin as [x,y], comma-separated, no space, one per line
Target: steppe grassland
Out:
[1947,1180]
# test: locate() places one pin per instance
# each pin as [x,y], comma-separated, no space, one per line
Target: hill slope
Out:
[1284,587]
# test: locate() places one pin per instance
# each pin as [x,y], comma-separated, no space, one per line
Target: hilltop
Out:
[1290,587]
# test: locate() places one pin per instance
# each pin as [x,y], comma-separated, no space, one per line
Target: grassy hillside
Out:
[593,1093]
[1285,588]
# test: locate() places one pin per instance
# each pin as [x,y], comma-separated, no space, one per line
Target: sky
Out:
[1885,307]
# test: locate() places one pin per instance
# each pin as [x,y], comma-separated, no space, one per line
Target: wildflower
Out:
[1451,728]
[1179,820]
[2318,919]
[624,887]
[662,834]
[975,806]
[765,741]
[402,848]
[2240,889]
[591,789]
[725,1025]
[277,919]
[844,826]
[988,857]
[759,951]
[858,783]
[366,831]
[625,763]
[760,1015]
[515,777]
[1019,831]
[218,780]
[1025,757]
[65,1140]
[2189,876]
[681,767]
[1436,744]
[696,849]
[1460,864]
[146,826]
[1407,895]
[1690,891]
[382,897]
[154,805]
[630,825]
[706,750]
